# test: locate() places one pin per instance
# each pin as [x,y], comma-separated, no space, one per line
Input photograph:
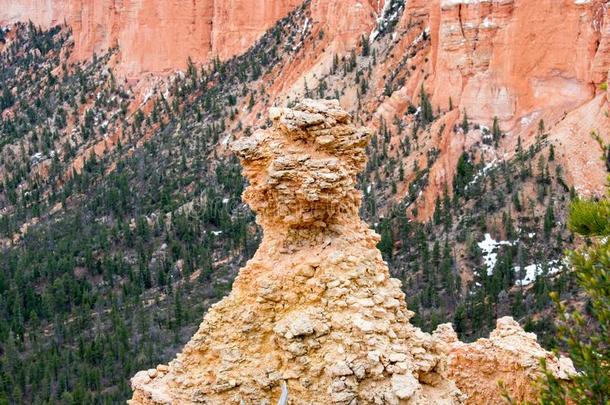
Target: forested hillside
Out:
[109,262]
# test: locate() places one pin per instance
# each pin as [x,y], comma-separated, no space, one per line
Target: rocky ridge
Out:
[316,308]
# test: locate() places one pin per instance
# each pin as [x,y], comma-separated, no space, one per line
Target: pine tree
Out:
[386,244]
[496,132]
[465,123]
[437,212]
[427,113]
[587,345]
[549,220]
[463,175]
[365,46]
[7,99]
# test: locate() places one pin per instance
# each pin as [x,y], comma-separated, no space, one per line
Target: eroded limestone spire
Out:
[303,171]
[315,309]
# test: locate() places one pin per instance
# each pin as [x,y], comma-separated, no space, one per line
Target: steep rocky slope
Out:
[315,308]
[486,59]
[155,36]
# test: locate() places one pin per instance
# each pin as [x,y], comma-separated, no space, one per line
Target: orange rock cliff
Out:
[155,36]
[519,60]
[315,311]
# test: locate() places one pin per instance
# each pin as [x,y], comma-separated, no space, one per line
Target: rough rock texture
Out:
[503,58]
[507,59]
[316,308]
[155,36]
[510,355]
[579,152]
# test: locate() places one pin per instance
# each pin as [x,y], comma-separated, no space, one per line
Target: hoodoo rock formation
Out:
[510,355]
[316,309]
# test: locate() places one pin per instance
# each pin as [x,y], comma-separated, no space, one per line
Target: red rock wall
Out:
[512,58]
[155,36]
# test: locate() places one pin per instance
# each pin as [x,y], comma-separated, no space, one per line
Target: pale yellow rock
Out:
[315,308]
[510,355]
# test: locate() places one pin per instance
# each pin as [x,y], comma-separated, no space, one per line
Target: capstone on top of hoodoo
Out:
[315,309]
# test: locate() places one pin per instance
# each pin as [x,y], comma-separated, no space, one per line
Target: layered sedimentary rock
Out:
[503,58]
[508,59]
[315,308]
[152,35]
[158,37]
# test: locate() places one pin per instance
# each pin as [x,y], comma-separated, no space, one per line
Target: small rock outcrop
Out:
[316,309]
[510,355]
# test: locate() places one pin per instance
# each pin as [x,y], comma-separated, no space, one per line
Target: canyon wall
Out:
[519,60]
[155,36]
[522,61]
[526,62]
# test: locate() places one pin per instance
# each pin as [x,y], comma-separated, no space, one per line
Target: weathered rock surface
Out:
[503,58]
[507,59]
[316,307]
[155,36]
[510,355]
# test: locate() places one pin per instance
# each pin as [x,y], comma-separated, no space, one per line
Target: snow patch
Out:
[532,271]
[305,26]
[149,93]
[481,173]
[489,247]
[390,13]
[420,37]
[487,23]
[528,119]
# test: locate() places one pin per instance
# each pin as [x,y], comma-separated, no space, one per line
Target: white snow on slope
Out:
[534,270]
[481,173]
[489,247]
